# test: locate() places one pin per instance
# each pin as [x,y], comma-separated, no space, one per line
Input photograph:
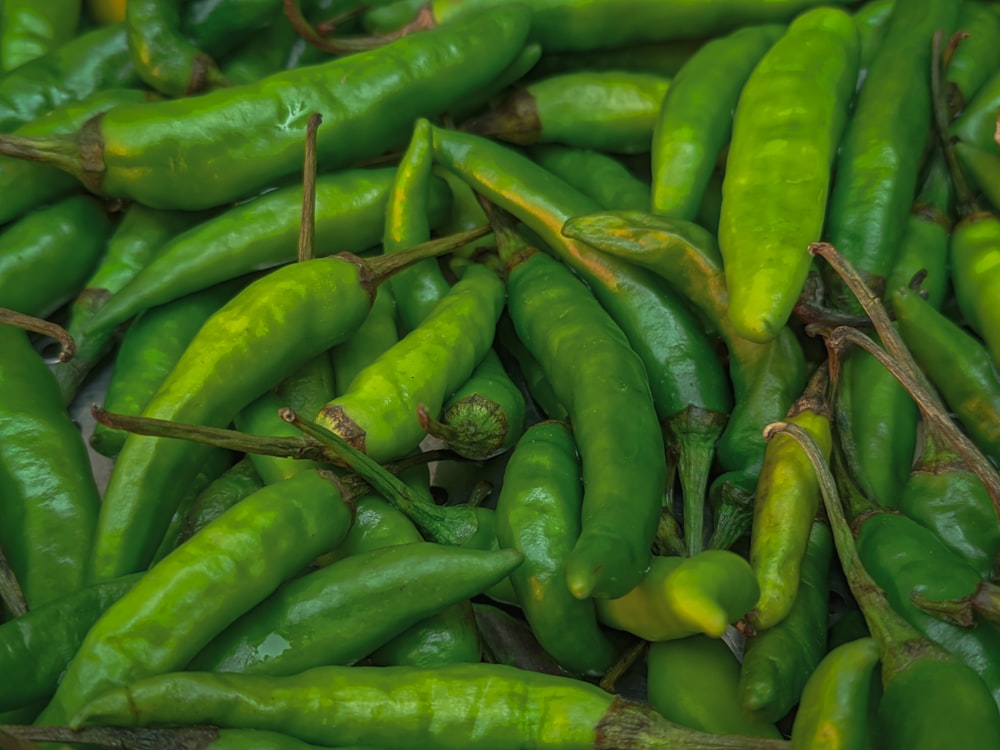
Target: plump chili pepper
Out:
[878,163]
[136,240]
[484,417]
[836,708]
[611,111]
[162,56]
[976,56]
[149,352]
[957,363]
[195,592]
[606,24]
[509,77]
[36,647]
[583,352]
[379,411]
[778,662]
[944,495]
[538,514]
[693,681]
[977,123]
[385,591]
[333,705]
[600,177]
[93,61]
[786,503]
[31,30]
[47,255]
[377,335]
[974,255]
[684,374]
[695,120]
[681,596]
[766,378]
[236,484]
[260,234]
[983,170]
[219,374]
[168,154]
[786,152]
[909,715]
[534,377]
[871,20]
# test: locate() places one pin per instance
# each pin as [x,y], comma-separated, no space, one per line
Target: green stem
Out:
[377,269]
[60,151]
[965,196]
[423,21]
[10,590]
[44,327]
[307,229]
[609,681]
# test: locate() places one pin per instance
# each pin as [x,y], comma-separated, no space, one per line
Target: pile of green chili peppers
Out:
[488,375]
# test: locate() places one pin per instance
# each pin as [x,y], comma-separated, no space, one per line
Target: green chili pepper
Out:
[693,681]
[598,377]
[944,495]
[976,57]
[384,591]
[47,255]
[36,647]
[600,177]
[293,320]
[610,24]
[661,58]
[609,111]
[442,708]
[379,412]
[786,503]
[694,121]
[681,596]
[485,416]
[199,738]
[684,373]
[162,56]
[377,335]
[909,715]
[777,663]
[139,236]
[879,160]
[784,151]
[982,168]
[93,61]
[871,20]
[977,123]
[266,51]
[766,377]
[31,30]
[535,380]
[238,483]
[27,185]
[260,234]
[260,417]
[837,703]
[974,255]
[168,154]
[195,592]
[149,351]
[957,363]
[219,25]
[538,514]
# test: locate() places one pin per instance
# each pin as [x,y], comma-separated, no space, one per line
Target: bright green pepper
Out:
[600,177]
[31,30]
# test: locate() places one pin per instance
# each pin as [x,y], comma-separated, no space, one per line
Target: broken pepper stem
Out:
[423,21]
[307,231]
[38,325]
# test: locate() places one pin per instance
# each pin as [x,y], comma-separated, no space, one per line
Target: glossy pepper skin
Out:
[93,61]
[784,151]
[600,177]
[693,682]
[260,234]
[143,153]
[344,611]
[878,163]
[787,499]
[958,365]
[378,414]
[47,255]
[36,647]
[611,111]
[977,123]
[31,30]
[48,498]
[835,711]
[217,376]
[976,57]
[778,662]
[202,586]
[681,596]
[695,119]
[538,513]
[974,255]
[766,378]
[236,484]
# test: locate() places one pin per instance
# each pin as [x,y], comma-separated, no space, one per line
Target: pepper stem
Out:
[307,228]
[423,21]
[193,738]
[60,151]
[899,643]
[984,604]
[10,590]
[377,269]
[44,327]
[453,524]
[628,725]
[609,681]
[480,431]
